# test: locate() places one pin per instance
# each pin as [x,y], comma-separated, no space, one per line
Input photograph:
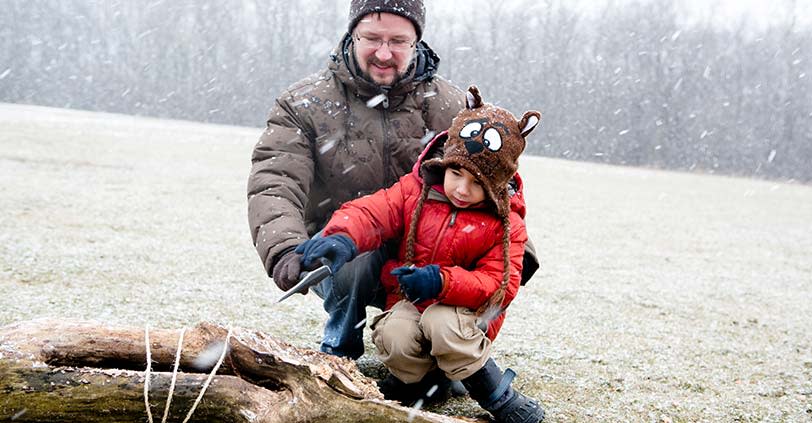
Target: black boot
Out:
[437,387]
[434,388]
[492,390]
[395,389]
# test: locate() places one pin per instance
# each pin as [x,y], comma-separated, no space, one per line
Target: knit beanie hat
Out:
[485,140]
[413,10]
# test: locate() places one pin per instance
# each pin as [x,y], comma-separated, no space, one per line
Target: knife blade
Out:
[310,279]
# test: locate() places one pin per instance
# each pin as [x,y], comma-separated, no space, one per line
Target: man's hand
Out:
[337,248]
[287,269]
[420,283]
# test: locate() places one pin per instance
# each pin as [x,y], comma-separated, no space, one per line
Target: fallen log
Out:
[60,371]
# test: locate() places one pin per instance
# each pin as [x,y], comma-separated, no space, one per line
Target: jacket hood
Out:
[343,65]
[433,149]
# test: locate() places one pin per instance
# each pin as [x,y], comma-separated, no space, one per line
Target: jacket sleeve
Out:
[472,288]
[373,219]
[282,171]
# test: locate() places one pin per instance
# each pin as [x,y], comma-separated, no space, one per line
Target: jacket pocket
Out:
[377,319]
[376,326]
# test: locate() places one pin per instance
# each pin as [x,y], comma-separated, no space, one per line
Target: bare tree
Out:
[627,85]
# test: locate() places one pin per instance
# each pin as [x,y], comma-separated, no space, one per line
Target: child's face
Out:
[462,188]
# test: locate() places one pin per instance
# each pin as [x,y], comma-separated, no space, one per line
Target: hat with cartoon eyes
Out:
[486,140]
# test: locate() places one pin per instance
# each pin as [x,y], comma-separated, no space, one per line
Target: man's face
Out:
[384,46]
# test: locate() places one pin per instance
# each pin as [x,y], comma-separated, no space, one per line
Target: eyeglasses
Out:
[373,43]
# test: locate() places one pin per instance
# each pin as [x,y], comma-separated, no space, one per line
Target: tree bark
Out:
[59,371]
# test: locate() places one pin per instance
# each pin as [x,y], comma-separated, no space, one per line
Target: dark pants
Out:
[346,296]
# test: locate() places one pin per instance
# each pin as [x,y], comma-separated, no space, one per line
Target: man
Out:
[342,133]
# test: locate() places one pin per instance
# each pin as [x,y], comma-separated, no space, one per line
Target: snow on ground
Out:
[662,296]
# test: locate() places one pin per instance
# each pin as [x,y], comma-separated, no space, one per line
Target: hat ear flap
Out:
[529,122]
[473,99]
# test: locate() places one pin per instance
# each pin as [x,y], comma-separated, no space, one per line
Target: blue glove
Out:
[419,283]
[338,249]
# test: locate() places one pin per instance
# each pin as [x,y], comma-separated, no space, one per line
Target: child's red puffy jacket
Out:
[465,243]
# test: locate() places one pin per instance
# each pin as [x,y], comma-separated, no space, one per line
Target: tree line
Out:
[633,85]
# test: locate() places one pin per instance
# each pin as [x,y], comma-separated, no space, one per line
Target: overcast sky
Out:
[758,13]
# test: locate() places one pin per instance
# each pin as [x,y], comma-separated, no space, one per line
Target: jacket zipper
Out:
[385,125]
[451,218]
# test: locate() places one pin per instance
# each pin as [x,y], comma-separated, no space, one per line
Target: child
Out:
[459,219]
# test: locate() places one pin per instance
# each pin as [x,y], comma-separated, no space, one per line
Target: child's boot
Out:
[395,389]
[434,383]
[492,390]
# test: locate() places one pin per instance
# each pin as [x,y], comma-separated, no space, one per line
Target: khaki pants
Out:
[411,344]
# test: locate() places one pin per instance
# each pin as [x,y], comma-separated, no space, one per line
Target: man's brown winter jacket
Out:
[334,137]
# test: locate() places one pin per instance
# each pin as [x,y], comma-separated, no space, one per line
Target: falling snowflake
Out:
[492,312]
[19,414]
[208,358]
[426,138]
[415,409]
[327,146]
[374,101]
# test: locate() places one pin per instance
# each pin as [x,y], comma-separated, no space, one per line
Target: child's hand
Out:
[339,249]
[419,283]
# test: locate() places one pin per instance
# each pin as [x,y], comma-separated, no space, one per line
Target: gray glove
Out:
[287,269]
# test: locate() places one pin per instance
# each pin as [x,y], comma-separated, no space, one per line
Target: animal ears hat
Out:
[413,10]
[485,140]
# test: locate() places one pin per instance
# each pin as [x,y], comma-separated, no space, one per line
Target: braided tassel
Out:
[493,307]
[410,239]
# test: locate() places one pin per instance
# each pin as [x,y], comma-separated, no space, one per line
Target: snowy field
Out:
[663,297]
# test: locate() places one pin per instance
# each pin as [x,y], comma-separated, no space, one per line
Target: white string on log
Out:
[146,373]
[174,375]
[211,376]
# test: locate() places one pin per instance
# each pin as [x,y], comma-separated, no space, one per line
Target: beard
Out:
[389,63]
